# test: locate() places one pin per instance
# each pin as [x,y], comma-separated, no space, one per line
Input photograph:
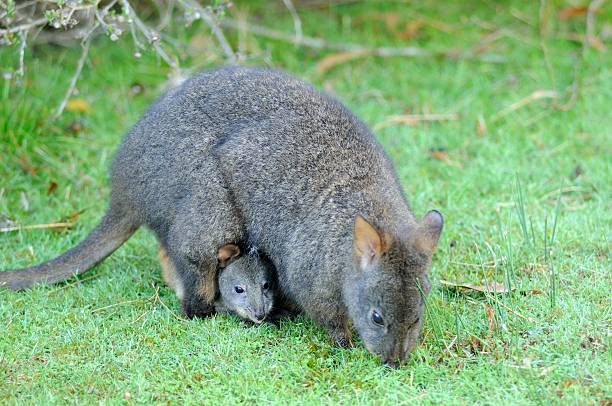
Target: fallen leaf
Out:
[72,217]
[78,106]
[490,318]
[492,287]
[481,126]
[476,345]
[333,60]
[440,155]
[572,12]
[26,167]
[75,127]
[52,187]
[568,383]
[411,30]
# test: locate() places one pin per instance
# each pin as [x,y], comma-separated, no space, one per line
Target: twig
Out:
[77,73]
[297,23]
[530,319]
[467,264]
[590,24]
[209,20]
[23,36]
[588,38]
[36,226]
[24,27]
[157,298]
[319,43]
[121,303]
[536,95]
[411,119]
[153,38]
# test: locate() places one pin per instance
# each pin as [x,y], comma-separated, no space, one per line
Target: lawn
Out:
[523,180]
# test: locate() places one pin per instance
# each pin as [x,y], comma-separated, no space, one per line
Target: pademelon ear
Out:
[227,254]
[367,241]
[428,231]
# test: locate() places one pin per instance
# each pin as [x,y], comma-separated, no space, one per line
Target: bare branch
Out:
[24,27]
[212,24]
[297,23]
[153,38]
[36,227]
[75,77]
[23,36]
[320,43]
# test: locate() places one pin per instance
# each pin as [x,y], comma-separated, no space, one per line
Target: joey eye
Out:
[265,286]
[238,289]
[377,318]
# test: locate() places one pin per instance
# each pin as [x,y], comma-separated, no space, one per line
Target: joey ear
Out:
[226,254]
[428,231]
[367,241]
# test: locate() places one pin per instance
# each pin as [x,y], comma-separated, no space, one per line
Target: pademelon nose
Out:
[260,316]
[391,363]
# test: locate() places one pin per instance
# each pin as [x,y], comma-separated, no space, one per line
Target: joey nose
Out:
[260,316]
[390,363]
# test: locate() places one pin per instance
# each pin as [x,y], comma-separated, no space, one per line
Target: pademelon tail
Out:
[114,229]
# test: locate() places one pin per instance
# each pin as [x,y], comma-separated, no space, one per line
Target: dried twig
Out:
[536,95]
[23,36]
[319,43]
[588,39]
[24,27]
[297,23]
[411,119]
[37,226]
[212,24]
[152,37]
[529,319]
[75,77]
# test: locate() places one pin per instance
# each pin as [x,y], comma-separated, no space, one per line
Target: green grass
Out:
[514,212]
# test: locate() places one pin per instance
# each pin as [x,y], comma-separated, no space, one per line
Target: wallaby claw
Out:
[197,309]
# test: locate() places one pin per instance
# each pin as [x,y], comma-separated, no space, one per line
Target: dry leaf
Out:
[572,12]
[26,167]
[411,30]
[78,106]
[52,187]
[333,60]
[481,126]
[75,127]
[440,155]
[492,287]
[490,318]
[72,217]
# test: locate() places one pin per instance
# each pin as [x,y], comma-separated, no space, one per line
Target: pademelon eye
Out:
[265,285]
[377,318]
[238,289]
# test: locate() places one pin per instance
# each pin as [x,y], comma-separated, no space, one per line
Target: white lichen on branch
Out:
[72,21]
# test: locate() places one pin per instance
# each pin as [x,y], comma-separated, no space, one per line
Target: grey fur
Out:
[292,170]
